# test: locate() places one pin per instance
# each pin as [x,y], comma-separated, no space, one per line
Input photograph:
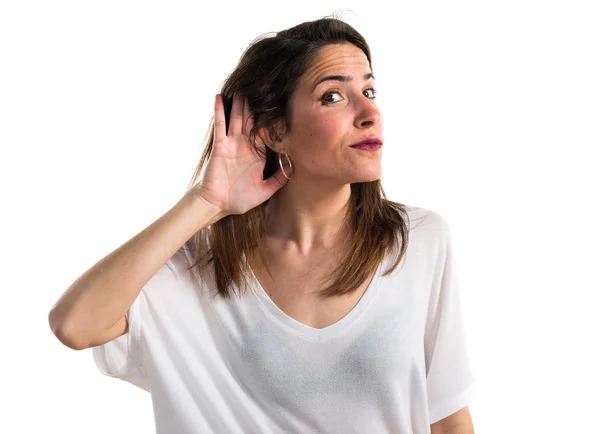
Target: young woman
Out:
[281,294]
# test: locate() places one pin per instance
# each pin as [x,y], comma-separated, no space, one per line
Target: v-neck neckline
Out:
[318,334]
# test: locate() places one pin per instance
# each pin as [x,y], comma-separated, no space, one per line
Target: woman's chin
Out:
[367,177]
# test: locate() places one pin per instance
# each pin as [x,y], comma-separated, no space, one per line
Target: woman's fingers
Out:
[240,120]
[219,121]
[247,125]
[237,116]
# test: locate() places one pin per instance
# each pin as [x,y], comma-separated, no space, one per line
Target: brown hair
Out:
[266,75]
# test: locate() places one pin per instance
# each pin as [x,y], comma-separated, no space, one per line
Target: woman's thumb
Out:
[275,182]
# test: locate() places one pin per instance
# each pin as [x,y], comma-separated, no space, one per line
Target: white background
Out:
[492,113]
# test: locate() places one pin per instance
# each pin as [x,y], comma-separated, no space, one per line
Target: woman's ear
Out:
[270,137]
[262,135]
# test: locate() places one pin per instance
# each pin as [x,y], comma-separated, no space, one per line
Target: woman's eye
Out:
[374,91]
[327,100]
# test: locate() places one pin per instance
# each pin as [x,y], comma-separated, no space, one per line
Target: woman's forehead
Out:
[339,59]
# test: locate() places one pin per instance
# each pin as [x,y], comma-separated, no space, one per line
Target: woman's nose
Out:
[368,114]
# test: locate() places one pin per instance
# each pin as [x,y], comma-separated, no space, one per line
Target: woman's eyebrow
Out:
[344,78]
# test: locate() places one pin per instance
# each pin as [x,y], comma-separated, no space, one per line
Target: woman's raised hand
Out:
[232,179]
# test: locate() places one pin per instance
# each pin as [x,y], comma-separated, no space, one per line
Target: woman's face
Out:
[328,117]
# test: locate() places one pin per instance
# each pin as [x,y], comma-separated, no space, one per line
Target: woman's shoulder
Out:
[426,219]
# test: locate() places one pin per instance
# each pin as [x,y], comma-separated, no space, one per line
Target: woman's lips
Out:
[367,147]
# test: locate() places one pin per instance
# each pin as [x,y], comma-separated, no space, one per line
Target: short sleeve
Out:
[121,357]
[450,381]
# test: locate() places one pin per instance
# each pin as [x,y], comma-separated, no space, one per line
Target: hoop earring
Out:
[281,165]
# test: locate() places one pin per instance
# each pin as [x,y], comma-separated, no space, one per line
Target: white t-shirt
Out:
[396,363]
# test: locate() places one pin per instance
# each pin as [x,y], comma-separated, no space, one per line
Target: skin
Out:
[305,214]
[457,423]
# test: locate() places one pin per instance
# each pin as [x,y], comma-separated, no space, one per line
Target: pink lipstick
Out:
[369,144]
